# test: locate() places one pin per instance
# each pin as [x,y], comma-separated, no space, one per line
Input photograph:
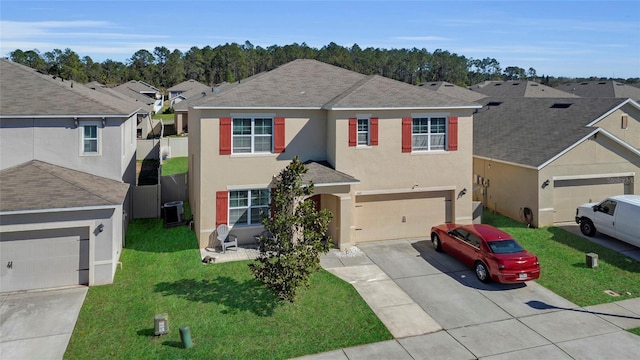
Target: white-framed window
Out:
[252,135]
[248,207]
[363,131]
[90,133]
[429,133]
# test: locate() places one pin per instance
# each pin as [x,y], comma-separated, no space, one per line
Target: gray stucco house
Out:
[67,161]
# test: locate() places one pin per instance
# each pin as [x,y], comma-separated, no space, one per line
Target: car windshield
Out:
[505,247]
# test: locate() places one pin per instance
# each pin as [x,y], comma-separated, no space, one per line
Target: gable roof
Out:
[452,90]
[531,131]
[311,84]
[37,185]
[27,92]
[607,88]
[518,89]
[133,89]
[188,85]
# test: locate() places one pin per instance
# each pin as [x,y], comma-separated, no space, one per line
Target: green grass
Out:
[163,116]
[229,313]
[176,165]
[635,331]
[563,265]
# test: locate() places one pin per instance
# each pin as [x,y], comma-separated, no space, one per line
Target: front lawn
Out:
[230,314]
[563,264]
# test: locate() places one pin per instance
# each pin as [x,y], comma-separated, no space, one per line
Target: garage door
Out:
[400,216]
[44,259]
[569,194]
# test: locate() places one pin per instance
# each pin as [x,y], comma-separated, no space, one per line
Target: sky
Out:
[556,38]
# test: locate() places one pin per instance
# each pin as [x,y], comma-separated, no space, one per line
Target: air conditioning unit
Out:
[173,213]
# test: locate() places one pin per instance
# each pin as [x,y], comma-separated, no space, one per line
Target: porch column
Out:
[347,228]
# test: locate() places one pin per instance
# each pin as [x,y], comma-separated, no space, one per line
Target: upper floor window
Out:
[363,131]
[252,135]
[428,133]
[248,207]
[90,144]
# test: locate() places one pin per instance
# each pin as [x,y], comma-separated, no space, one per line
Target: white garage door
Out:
[44,259]
[400,216]
[569,194]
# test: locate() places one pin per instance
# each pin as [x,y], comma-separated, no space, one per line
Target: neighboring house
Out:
[518,89]
[601,89]
[67,160]
[537,159]
[185,90]
[181,109]
[142,92]
[388,159]
[144,123]
[456,91]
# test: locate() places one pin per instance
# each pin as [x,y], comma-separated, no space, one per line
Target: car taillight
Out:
[536,262]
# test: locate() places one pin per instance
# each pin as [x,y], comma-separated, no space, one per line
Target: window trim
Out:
[367,131]
[431,116]
[248,208]
[253,117]
[98,138]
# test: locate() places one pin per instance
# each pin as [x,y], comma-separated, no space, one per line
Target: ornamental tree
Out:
[297,235]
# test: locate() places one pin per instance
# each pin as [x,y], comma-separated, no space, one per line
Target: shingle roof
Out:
[530,131]
[132,90]
[452,90]
[25,91]
[305,83]
[608,88]
[37,185]
[321,173]
[188,85]
[518,89]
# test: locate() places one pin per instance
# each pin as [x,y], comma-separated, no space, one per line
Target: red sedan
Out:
[492,253]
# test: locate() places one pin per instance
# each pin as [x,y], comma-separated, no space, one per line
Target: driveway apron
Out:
[493,321]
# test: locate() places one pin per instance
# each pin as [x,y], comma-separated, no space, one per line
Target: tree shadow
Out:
[541,305]
[175,344]
[250,295]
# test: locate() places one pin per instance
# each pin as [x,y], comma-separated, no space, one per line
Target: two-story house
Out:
[388,159]
[67,161]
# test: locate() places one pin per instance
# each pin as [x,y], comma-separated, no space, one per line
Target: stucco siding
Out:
[613,124]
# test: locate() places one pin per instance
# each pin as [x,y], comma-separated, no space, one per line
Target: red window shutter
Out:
[453,133]
[373,124]
[353,131]
[278,138]
[222,206]
[225,136]
[406,134]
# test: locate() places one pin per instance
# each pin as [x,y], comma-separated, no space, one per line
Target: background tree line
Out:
[232,62]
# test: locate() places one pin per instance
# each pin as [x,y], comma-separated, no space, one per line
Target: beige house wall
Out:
[613,124]
[322,135]
[597,167]
[510,188]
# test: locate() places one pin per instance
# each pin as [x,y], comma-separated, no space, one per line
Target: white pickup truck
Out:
[616,216]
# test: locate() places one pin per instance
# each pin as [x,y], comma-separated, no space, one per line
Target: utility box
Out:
[173,213]
[592,260]
[161,325]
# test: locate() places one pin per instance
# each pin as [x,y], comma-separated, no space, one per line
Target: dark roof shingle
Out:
[37,185]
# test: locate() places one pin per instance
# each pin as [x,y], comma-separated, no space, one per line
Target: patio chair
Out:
[225,238]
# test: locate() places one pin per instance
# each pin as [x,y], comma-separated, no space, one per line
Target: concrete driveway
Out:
[488,321]
[38,324]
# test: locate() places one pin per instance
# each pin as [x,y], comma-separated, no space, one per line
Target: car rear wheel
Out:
[587,228]
[435,239]
[481,272]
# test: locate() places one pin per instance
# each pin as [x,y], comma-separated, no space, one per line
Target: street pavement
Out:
[462,318]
